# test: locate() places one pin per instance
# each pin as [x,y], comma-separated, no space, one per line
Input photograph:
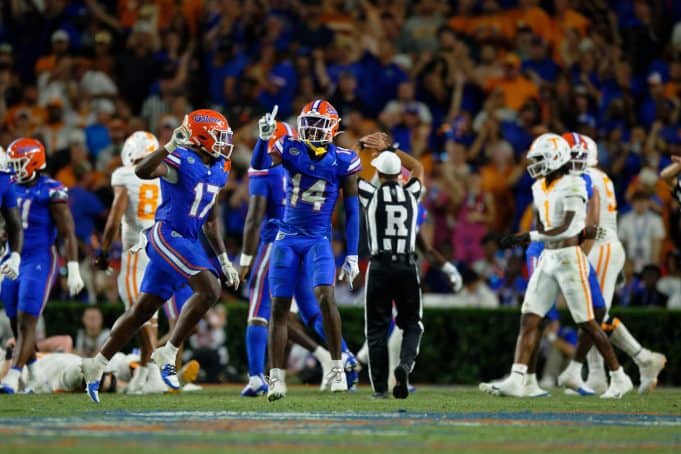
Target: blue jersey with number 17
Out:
[187,202]
[312,185]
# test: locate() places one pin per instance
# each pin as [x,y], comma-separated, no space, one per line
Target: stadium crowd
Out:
[464,86]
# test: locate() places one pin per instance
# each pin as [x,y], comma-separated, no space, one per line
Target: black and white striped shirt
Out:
[391,211]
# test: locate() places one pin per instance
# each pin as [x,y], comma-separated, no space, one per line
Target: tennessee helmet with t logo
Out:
[548,153]
[137,146]
[318,124]
[26,157]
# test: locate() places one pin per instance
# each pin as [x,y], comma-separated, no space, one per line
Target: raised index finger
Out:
[274,111]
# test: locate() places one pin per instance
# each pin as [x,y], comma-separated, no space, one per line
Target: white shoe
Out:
[620,384]
[649,371]
[547,382]
[532,388]
[165,361]
[138,380]
[191,387]
[597,382]
[10,384]
[276,385]
[336,380]
[574,382]
[92,372]
[154,383]
[510,386]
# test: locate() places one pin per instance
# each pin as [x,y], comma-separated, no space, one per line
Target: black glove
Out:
[101,260]
[510,241]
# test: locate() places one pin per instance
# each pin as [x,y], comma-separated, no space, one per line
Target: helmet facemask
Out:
[537,167]
[18,167]
[223,144]
[316,129]
[577,161]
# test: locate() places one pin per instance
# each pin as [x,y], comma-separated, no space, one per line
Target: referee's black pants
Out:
[389,282]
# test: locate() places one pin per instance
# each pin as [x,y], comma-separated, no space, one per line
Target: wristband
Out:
[448,268]
[535,236]
[245,260]
[224,260]
[72,267]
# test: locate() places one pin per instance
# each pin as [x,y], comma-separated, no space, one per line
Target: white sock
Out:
[595,362]
[12,375]
[171,348]
[519,369]
[279,374]
[337,363]
[322,355]
[254,381]
[101,360]
[575,367]
[531,379]
[622,339]
[619,373]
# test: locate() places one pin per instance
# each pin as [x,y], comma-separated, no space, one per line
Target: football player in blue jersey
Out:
[44,214]
[316,172]
[193,167]
[10,213]
[266,207]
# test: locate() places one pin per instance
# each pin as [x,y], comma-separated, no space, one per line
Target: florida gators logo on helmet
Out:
[26,157]
[578,151]
[209,131]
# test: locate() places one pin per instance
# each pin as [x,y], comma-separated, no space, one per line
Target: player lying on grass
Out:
[316,172]
[265,211]
[560,200]
[193,167]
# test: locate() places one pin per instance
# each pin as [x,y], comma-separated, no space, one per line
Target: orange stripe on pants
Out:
[601,279]
[127,279]
[134,276]
[585,286]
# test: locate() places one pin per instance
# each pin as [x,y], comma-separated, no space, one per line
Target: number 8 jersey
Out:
[144,197]
[313,185]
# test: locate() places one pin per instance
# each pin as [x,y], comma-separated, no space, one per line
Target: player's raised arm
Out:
[113,222]
[437,260]
[670,172]
[155,165]
[212,231]
[267,126]
[61,214]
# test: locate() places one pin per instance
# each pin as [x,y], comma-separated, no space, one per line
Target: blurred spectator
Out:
[515,87]
[492,265]
[513,284]
[91,337]
[475,213]
[136,68]
[475,292]
[648,294]
[670,284]
[208,345]
[642,231]
[55,132]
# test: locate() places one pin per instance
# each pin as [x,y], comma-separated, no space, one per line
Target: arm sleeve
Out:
[58,193]
[366,191]
[260,159]
[351,224]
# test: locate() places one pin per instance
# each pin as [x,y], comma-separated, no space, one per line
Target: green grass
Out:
[432,420]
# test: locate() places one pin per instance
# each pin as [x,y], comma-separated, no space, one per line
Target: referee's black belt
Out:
[389,257]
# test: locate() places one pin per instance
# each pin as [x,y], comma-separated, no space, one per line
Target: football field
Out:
[434,419]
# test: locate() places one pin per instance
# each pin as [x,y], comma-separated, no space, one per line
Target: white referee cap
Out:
[387,163]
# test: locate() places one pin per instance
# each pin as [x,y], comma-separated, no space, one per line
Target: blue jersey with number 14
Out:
[187,202]
[312,185]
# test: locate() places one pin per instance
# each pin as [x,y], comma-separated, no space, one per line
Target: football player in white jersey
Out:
[133,209]
[608,257]
[560,201]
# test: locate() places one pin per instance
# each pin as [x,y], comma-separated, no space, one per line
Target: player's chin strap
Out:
[317,150]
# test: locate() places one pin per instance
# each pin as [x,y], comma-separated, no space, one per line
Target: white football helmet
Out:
[137,146]
[591,151]
[548,152]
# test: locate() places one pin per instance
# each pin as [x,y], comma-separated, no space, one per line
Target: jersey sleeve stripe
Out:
[172,160]
[258,173]
[278,148]
[355,166]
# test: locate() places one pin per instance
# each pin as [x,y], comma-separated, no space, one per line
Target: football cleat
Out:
[257,386]
[138,380]
[337,380]
[7,389]
[649,371]
[620,384]
[597,382]
[575,383]
[532,388]
[154,383]
[276,389]
[325,385]
[92,372]
[509,387]
[401,388]
[166,363]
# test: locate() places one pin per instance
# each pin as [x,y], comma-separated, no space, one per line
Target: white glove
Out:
[179,138]
[229,271]
[11,266]
[74,282]
[349,270]
[453,275]
[268,124]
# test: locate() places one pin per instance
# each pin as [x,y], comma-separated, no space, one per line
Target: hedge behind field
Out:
[460,346]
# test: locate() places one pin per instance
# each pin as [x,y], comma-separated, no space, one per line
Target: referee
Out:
[392,276]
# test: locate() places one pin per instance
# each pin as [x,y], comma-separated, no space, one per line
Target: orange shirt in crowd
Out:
[492,26]
[128,12]
[36,115]
[570,20]
[495,182]
[45,63]
[516,91]
[537,19]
